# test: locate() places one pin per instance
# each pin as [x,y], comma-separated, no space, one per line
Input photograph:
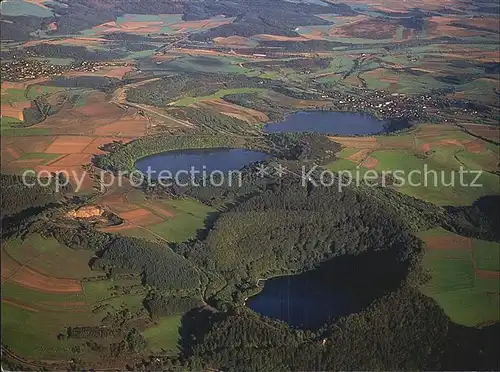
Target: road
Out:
[120,99]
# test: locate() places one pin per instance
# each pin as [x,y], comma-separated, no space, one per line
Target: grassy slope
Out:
[465,297]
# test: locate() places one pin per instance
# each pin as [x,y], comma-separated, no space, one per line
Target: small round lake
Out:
[209,160]
[300,301]
[332,290]
[330,122]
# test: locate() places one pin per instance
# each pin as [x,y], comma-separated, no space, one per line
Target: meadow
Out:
[439,150]
[464,278]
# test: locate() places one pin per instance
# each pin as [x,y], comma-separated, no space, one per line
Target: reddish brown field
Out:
[22,85]
[141,217]
[29,278]
[34,280]
[76,174]
[266,37]
[425,147]
[484,131]
[74,41]
[39,3]
[117,202]
[475,146]
[359,156]
[402,6]
[448,242]
[71,160]
[128,126]
[69,145]
[233,41]
[15,109]
[12,152]
[93,147]
[198,25]
[134,27]
[357,142]
[112,71]
[369,162]
[366,28]
[487,274]
[438,26]
[32,144]
[249,115]
[452,142]
[74,122]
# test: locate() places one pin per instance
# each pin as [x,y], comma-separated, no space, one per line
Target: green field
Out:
[12,95]
[32,319]
[466,297]
[40,155]
[190,217]
[50,257]
[204,64]
[23,8]
[164,336]
[436,178]
[219,94]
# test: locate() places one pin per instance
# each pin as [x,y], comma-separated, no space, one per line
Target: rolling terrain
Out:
[103,274]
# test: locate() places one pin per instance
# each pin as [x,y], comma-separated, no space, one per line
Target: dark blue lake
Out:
[301,301]
[211,159]
[330,122]
[339,287]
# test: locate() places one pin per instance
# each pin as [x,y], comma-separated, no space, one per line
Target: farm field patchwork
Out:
[465,276]
[173,220]
[163,278]
[438,150]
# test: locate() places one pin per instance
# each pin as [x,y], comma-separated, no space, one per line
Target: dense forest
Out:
[93,82]
[17,196]
[282,227]
[169,88]
[277,17]
[78,53]
[252,17]
[404,330]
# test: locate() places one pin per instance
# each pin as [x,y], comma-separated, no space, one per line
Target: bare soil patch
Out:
[32,143]
[359,156]
[141,217]
[249,115]
[367,28]
[15,109]
[369,162]
[425,147]
[233,41]
[357,142]
[69,145]
[30,278]
[448,242]
[485,131]
[12,151]
[127,126]
[487,274]
[475,146]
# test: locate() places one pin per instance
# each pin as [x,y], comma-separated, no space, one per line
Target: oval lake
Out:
[332,290]
[331,122]
[210,159]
